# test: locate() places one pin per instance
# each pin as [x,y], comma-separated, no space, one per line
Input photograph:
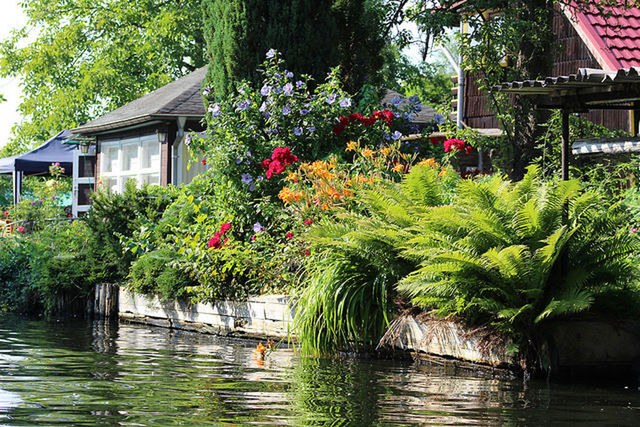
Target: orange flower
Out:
[431,162]
[261,349]
[293,177]
[288,196]
[398,168]
[386,150]
[351,146]
[367,152]
[443,172]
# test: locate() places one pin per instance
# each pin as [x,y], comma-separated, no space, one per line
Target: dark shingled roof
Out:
[423,117]
[179,98]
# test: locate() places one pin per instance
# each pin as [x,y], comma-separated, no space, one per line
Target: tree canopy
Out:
[77,59]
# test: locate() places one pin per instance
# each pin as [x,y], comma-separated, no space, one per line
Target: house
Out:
[587,40]
[144,139]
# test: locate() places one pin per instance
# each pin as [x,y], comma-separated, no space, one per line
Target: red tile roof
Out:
[614,39]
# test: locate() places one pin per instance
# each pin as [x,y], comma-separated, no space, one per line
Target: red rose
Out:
[265,163]
[435,140]
[355,116]
[308,221]
[289,235]
[214,242]
[225,227]
[204,161]
[307,252]
[468,149]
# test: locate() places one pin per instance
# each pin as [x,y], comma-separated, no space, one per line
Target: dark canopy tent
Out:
[38,160]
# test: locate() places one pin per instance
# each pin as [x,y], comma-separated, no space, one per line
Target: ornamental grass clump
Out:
[348,297]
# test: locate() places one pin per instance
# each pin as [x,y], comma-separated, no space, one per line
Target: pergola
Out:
[589,89]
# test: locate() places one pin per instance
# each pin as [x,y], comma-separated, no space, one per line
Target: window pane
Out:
[151,155]
[111,183]
[150,178]
[129,157]
[109,159]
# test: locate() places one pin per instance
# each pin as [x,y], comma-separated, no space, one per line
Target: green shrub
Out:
[519,254]
[17,288]
[155,273]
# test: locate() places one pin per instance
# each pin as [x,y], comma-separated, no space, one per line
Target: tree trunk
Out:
[535,60]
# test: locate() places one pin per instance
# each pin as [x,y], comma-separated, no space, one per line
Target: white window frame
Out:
[118,173]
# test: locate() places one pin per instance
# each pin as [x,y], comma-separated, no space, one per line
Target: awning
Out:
[37,161]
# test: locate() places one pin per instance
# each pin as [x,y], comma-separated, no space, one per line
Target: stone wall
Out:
[262,316]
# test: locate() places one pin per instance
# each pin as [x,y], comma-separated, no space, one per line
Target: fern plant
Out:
[347,298]
[518,254]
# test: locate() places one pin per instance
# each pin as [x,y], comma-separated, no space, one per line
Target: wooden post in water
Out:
[105,303]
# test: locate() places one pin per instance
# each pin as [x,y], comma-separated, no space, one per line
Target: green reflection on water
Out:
[92,373]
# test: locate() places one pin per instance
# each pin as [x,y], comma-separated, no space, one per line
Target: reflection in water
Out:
[87,373]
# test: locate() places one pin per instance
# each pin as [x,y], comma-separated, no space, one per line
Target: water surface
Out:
[92,373]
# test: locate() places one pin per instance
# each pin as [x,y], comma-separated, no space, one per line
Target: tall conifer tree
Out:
[313,35]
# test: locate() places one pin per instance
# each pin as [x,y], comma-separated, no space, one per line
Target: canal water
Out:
[92,373]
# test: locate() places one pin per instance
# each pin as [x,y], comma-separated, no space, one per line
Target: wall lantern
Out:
[162,136]
[85,143]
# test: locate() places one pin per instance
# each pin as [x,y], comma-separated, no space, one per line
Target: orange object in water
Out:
[261,349]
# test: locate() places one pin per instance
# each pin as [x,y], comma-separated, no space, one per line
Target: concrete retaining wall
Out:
[263,316]
[444,338]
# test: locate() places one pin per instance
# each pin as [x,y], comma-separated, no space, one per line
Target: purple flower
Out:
[259,178]
[271,53]
[263,107]
[345,102]
[246,178]
[396,100]
[288,74]
[277,90]
[187,140]
[53,197]
[252,186]
[286,110]
[266,90]
[311,129]
[439,118]
[258,228]
[244,105]
[206,91]
[414,99]
[288,89]
[299,84]
[386,136]
[396,135]
[249,154]
[304,112]
[297,131]
[214,110]
[331,98]
[238,161]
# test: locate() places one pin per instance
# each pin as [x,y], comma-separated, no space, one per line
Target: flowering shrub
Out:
[320,186]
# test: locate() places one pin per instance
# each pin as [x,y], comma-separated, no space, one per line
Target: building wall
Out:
[572,53]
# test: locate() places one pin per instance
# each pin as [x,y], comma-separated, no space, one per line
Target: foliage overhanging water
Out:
[88,373]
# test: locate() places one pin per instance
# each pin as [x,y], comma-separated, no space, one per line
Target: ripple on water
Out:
[87,373]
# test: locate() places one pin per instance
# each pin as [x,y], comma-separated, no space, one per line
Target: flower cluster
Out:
[56,170]
[386,116]
[456,144]
[280,159]
[218,239]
